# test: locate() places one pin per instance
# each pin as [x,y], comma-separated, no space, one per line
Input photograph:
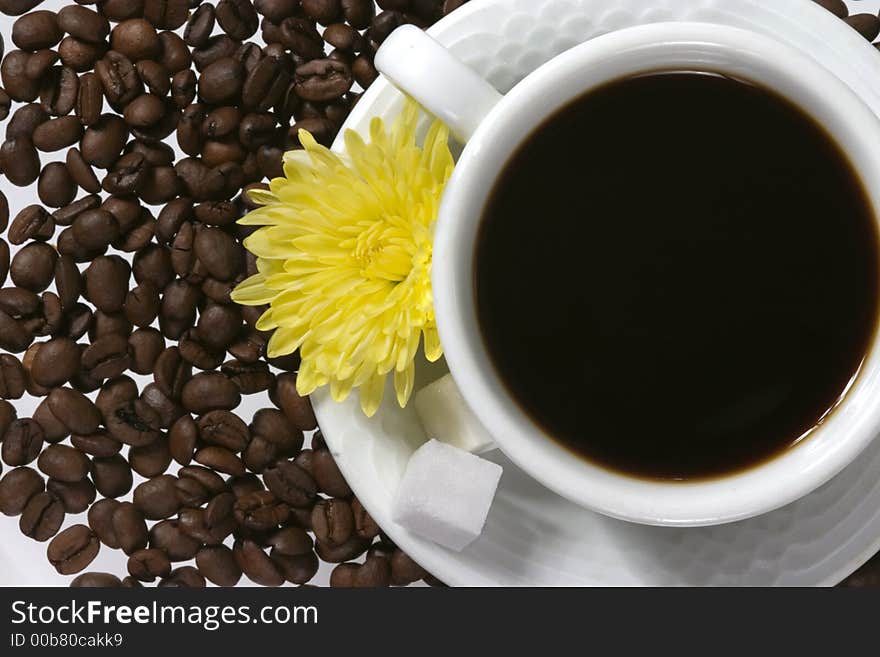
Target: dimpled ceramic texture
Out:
[532,536]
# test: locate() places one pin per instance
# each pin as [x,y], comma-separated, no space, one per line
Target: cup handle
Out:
[418,65]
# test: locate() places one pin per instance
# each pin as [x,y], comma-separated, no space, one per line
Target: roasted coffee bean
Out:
[193,351]
[107,356]
[200,26]
[167,410]
[167,535]
[80,55]
[83,23]
[55,362]
[104,324]
[73,549]
[166,14]
[404,570]
[36,30]
[81,172]
[114,393]
[364,71]
[217,563]
[136,39]
[175,56]
[322,80]
[221,81]
[291,484]
[95,580]
[256,564]
[276,10]
[183,87]
[17,7]
[76,497]
[297,409]
[19,302]
[22,442]
[55,186]
[106,281]
[33,222]
[57,133]
[16,82]
[217,47]
[145,110]
[868,25]
[89,99]
[358,13]
[73,409]
[333,521]
[157,154]
[351,549]
[141,308]
[179,303]
[20,162]
[156,498]
[266,84]
[155,77]
[14,336]
[344,37]
[54,430]
[322,11]
[210,391]
[296,569]
[128,174]
[237,18]
[151,460]
[103,141]
[119,79]
[327,474]
[33,267]
[39,64]
[260,511]
[219,252]
[250,378]
[4,260]
[183,577]
[375,572]
[67,215]
[171,372]
[256,130]
[160,186]
[17,487]
[223,429]
[148,564]
[130,528]
[98,444]
[218,326]
[100,519]
[191,493]
[120,10]
[96,229]
[134,423]
[12,377]
[42,517]
[63,463]
[261,454]
[220,459]
[59,91]
[112,476]
[272,426]
[182,440]
[301,36]
[193,522]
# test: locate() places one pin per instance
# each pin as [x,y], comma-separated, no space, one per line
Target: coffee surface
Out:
[677,274]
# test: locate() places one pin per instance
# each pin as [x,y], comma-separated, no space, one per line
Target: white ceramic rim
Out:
[660,46]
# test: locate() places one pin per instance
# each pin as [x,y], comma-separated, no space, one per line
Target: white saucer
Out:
[534,537]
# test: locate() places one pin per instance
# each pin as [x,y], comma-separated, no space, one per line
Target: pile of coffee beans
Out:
[143,123]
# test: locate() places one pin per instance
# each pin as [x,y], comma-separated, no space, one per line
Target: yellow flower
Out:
[344,258]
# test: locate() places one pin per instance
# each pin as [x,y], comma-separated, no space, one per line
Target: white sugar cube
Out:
[446,417]
[445,494]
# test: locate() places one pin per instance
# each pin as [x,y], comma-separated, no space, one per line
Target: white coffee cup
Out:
[493,126]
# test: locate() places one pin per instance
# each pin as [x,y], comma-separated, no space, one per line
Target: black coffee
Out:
[677,275]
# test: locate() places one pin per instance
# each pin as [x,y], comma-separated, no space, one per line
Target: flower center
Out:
[385,250]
